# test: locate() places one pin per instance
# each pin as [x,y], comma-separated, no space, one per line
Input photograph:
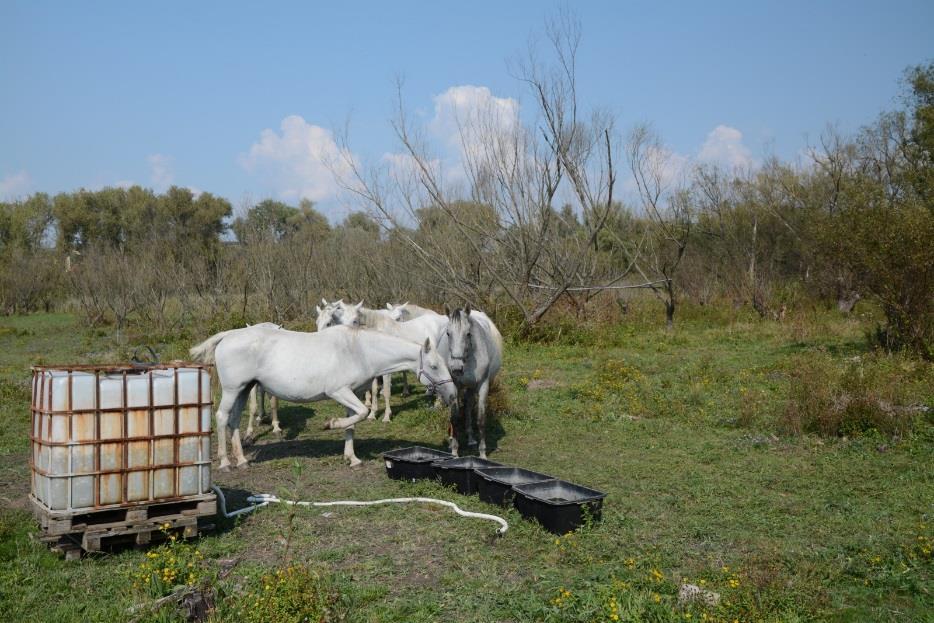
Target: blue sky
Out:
[95,94]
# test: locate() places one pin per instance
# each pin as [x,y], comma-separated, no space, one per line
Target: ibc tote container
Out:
[107,437]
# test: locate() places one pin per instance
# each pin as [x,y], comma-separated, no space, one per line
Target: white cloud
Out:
[161,173]
[465,114]
[298,160]
[473,125]
[673,168]
[724,146]
[15,185]
[404,166]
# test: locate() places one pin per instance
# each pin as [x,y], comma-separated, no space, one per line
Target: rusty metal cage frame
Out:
[42,407]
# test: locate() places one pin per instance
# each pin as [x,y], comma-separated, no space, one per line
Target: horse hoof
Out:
[370,417]
[386,420]
[328,425]
[355,463]
[224,468]
[243,466]
[277,433]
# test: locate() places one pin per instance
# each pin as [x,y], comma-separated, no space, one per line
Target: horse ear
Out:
[467,309]
[405,304]
[389,306]
[427,346]
[324,301]
[359,305]
[318,309]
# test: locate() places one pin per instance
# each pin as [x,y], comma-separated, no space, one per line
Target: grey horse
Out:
[473,350]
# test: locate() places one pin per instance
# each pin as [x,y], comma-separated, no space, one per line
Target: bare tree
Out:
[666,205]
[497,233]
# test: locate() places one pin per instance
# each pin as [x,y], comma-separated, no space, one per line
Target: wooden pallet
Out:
[95,531]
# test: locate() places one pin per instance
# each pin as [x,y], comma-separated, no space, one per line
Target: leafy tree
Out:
[883,222]
[118,217]
[184,219]
[361,221]
[24,224]
[275,221]
[87,217]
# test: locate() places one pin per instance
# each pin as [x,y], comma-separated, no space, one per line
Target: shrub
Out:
[291,594]
[853,397]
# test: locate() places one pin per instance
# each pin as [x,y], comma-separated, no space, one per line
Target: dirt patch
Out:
[536,384]
[401,546]
[14,480]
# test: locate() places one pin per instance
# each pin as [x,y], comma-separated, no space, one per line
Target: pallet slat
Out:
[93,532]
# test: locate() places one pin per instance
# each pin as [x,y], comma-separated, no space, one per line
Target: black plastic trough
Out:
[559,506]
[460,472]
[413,463]
[495,483]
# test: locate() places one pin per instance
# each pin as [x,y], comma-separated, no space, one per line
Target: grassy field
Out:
[684,430]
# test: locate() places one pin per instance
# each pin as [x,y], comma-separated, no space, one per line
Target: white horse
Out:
[402,313]
[473,350]
[258,402]
[332,314]
[407,311]
[307,367]
[417,330]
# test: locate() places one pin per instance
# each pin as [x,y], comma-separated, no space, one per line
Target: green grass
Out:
[680,429]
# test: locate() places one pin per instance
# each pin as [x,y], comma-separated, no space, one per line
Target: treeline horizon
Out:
[855,224]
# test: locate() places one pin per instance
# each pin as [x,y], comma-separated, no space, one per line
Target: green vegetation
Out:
[689,431]
[852,224]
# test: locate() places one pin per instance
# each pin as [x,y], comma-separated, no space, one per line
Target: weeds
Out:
[615,393]
[174,563]
[640,591]
[291,594]
[859,396]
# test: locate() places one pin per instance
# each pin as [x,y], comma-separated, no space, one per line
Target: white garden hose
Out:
[262,499]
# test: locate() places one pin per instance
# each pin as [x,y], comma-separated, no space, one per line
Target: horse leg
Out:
[374,398]
[348,445]
[248,439]
[453,426]
[222,417]
[470,401]
[356,411]
[406,390]
[235,444]
[482,393]
[274,408]
[387,393]
[228,417]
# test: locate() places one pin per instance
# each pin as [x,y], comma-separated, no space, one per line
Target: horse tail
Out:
[204,352]
[497,337]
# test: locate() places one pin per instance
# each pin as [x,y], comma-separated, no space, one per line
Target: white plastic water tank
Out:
[110,436]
